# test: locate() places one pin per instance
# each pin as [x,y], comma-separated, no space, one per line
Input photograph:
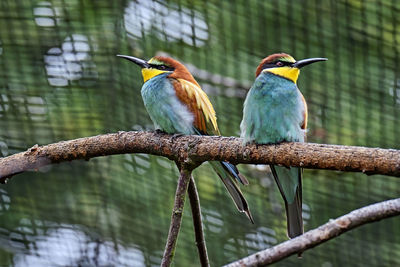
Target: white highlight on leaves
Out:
[166,21]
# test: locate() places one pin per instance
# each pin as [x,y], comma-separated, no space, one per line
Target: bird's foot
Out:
[159,131]
[176,136]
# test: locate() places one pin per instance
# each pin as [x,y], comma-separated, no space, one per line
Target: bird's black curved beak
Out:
[142,63]
[304,62]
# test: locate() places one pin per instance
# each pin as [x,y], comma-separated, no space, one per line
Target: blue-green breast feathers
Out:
[164,107]
[273,111]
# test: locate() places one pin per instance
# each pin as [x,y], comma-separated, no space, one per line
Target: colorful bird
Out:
[275,111]
[177,104]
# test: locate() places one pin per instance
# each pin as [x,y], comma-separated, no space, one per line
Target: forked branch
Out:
[190,151]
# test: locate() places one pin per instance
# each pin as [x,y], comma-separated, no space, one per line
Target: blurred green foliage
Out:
[60,79]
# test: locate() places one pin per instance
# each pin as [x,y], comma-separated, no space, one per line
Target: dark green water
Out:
[60,79]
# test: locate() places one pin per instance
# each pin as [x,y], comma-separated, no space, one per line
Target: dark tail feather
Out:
[228,179]
[294,216]
[234,172]
[238,198]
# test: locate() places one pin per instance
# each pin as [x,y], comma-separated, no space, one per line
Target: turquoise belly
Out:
[273,111]
[165,109]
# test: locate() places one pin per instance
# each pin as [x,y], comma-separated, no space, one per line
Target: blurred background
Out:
[60,79]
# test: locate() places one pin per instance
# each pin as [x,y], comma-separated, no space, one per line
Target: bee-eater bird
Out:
[177,105]
[275,111]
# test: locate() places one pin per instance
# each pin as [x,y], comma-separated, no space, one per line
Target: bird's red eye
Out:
[279,64]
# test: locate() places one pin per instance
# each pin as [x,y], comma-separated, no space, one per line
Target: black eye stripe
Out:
[274,64]
[162,67]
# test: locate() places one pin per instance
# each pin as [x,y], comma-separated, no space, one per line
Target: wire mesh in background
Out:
[60,79]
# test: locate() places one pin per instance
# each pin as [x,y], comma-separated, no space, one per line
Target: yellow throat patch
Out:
[150,73]
[286,72]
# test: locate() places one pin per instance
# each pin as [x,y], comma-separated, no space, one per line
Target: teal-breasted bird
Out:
[275,111]
[177,104]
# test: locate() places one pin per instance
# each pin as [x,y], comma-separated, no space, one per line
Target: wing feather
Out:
[197,101]
[305,115]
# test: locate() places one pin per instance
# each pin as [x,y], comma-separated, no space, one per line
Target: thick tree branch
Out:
[204,148]
[322,234]
[197,223]
[176,218]
[190,151]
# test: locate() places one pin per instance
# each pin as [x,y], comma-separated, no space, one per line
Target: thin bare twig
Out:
[205,148]
[322,234]
[197,223]
[176,218]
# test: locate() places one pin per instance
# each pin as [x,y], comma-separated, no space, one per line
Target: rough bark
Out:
[322,234]
[190,151]
[204,148]
[176,217]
